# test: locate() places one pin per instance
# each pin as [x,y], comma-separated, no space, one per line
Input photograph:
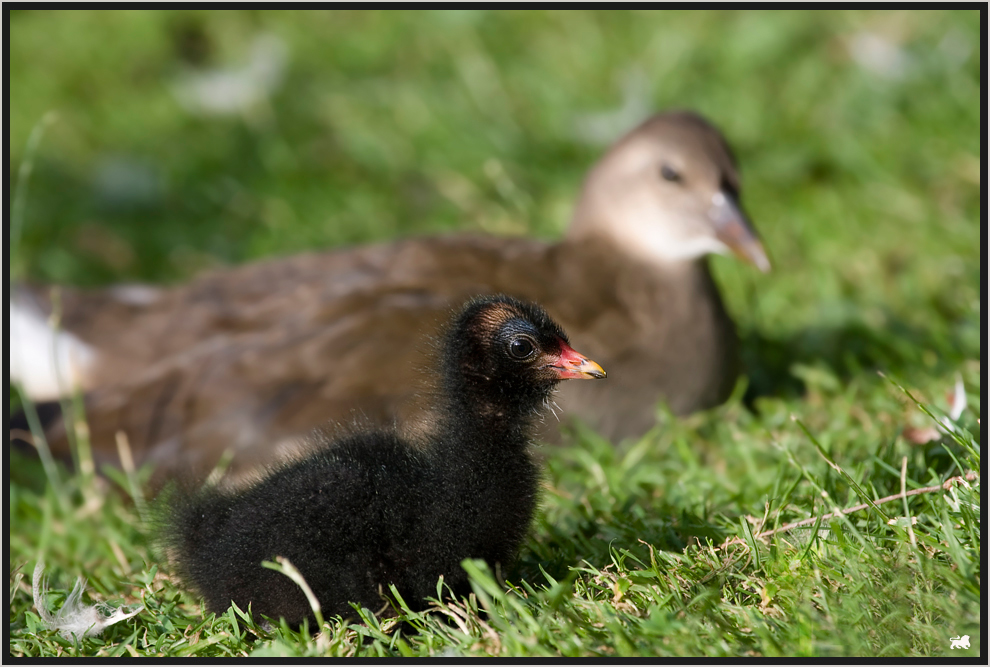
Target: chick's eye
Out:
[669,173]
[521,348]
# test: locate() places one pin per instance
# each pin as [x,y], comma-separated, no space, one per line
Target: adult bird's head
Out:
[667,192]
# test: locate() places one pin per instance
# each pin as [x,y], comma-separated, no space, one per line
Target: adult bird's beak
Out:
[572,365]
[734,230]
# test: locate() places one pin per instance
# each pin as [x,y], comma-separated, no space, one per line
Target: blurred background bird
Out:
[146,180]
[245,358]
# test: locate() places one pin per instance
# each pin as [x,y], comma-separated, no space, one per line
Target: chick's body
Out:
[368,512]
[373,509]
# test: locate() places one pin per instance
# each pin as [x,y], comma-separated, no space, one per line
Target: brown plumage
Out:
[262,353]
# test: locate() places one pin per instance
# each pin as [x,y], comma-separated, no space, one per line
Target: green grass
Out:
[866,188]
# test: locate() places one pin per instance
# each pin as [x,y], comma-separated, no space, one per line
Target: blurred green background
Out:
[859,136]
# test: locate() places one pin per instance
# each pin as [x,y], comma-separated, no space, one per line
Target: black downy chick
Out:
[373,509]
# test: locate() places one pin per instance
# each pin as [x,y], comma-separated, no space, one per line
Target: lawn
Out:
[859,136]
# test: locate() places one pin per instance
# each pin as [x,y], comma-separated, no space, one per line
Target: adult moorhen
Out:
[251,358]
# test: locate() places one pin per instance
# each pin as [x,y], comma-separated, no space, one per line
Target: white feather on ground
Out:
[235,90]
[75,619]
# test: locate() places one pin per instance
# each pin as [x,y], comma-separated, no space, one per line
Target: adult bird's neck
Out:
[652,293]
[602,247]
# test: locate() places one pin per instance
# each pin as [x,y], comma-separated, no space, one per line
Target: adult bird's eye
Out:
[669,173]
[521,348]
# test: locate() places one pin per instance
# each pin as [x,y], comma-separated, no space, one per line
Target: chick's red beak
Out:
[571,364]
